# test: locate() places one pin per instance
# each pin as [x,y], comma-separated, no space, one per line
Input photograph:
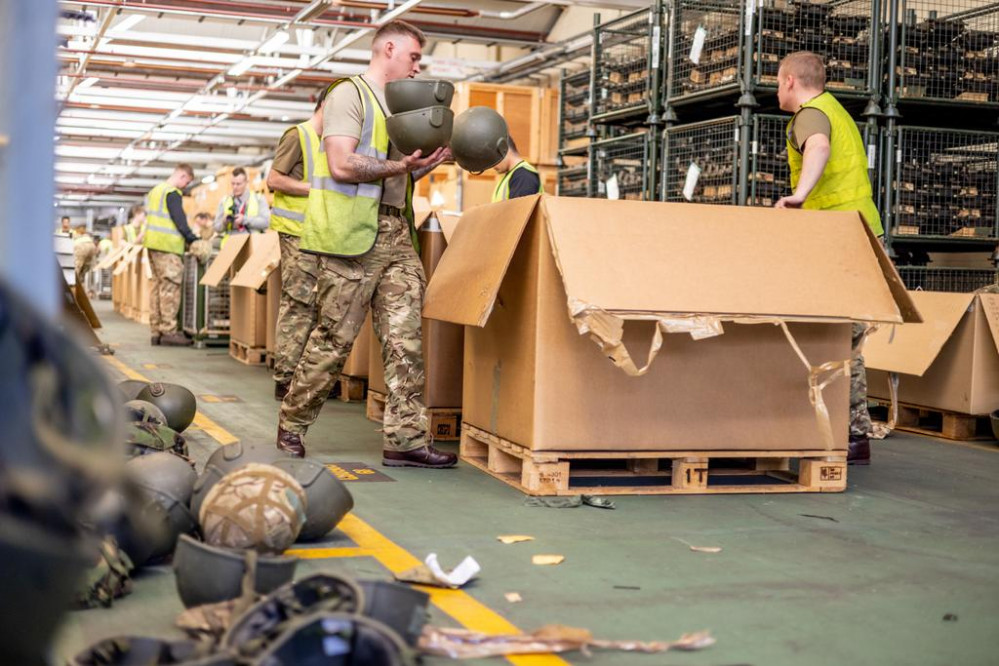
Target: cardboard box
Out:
[443,343]
[273,306]
[949,362]
[528,276]
[358,362]
[249,259]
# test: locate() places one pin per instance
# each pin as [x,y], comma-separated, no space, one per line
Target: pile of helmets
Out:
[480,140]
[321,619]
[421,117]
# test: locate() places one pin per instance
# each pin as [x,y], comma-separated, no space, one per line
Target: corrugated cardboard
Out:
[273,306]
[949,362]
[358,362]
[443,343]
[516,270]
[252,264]
[231,256]
[263,258]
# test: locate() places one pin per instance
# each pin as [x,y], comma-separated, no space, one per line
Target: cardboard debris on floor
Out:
[698,549]
[466,644]
[548,292]
[547,560]
[513,597]
[949,362]
[431,573]
[514,538]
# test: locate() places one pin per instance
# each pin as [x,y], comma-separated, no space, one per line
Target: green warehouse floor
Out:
[903,568]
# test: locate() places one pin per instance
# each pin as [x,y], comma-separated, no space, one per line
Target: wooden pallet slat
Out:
[652,472]
[352,389]
[246,354]
[444,423]
[940,422]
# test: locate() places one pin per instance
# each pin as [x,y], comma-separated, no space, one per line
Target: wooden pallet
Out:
[269,360]
[443,422]
[352,389]
[644,472]
[939,422]
[246,354]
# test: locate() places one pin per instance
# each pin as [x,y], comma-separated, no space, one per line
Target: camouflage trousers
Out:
[164,299]
[84,259]
[390,281]
[297,311]
[860,418]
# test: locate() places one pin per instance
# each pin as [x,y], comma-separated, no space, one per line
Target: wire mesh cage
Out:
[948,50]
[573,177]
[621,167]
[99,283]
[204,310]
[623,59]
[945,184]
[575,108]
[700,162]
[964,280]
[709,38]
[769,174]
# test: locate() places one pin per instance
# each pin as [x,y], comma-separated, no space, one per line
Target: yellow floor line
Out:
[461,606]
[326,553]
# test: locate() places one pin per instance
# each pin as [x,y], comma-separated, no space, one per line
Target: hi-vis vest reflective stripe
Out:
[502,191]
[161,233]
[844,184]
[288,212]
[342,218]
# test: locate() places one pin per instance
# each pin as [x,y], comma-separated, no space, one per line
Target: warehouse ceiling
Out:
[144,85]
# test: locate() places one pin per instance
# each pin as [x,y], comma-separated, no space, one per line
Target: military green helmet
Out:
[209,574]
[425,130]
[165,480]
[480,139]
[327,499]
[263,622]
[140,411]
[145,438]
[411,94]
[401,607]
[177,403]
[228,458]
[133,650]
[130,388]
[337,638]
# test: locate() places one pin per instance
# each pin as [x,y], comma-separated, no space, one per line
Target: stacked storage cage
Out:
[204,310]
[941,188]
[724,56]
[574,122]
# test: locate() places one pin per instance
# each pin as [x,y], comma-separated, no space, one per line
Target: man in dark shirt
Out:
[166,237]
[520,179]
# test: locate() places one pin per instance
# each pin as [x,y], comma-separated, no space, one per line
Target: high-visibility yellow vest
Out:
[288,211]
[252,210]
[342,218]
[130,233]
[83,239]
[161,233]
[105,245]
[502,191]
[844,184]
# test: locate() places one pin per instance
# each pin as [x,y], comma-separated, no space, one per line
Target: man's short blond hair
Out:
[402,28]
[186,168]
[806,67]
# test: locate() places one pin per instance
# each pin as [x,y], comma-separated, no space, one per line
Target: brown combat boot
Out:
[290,442]
[154,340]
[281,390]
[426,456]
[175,339]
[859,452]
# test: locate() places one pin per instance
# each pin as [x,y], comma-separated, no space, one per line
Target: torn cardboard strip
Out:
[431,573]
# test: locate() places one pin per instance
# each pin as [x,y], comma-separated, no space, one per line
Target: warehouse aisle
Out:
[902,568]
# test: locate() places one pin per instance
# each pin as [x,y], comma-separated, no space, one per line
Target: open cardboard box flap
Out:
[912,348]
[641,260]
[265,256]
[226,257]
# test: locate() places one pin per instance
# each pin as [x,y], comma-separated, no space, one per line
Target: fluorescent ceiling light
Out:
[240,67]
[276,41]
[208,179]
[314,9]
[128,23]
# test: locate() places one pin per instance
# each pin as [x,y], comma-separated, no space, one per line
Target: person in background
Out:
[519,178]
[136,224]
[64,225]
[84,254]
[203,226]
[829,172]
[166,237]
[242,211]
[292,170]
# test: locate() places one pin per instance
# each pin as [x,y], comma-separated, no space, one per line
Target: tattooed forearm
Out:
[364,169]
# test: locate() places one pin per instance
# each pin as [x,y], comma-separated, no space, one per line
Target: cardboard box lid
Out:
[642,260]
[224,260]
[113,257]
[265,256]
[449,222]
[912,348]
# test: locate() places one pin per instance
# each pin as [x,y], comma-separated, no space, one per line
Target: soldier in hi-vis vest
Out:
[291,172]
[241,211]
[359,225]
[829,172]
[166,237]
[518,178]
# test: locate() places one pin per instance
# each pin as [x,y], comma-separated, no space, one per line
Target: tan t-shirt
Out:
[807,122]
[288,158]
[344,116]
